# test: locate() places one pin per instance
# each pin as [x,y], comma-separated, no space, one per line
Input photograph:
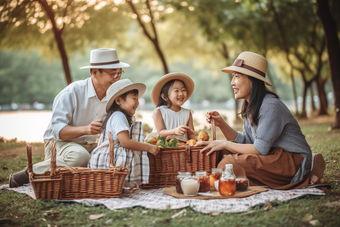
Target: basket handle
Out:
[53,157]
[111,150]
[213,129]
[188,153]
[29,157]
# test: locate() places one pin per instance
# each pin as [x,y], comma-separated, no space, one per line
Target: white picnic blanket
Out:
[155,199]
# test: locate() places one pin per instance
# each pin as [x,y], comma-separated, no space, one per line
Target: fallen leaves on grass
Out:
[249,212]
[179,214]
[96,216]
[309,218]
[332,204]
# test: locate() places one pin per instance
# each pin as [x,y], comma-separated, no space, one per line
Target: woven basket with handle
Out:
[66,183]
[165,166]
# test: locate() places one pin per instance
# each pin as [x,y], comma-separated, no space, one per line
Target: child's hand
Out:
[181,130]
[216,116]
[153,149]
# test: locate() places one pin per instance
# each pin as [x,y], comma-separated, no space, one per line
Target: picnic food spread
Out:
[162,142]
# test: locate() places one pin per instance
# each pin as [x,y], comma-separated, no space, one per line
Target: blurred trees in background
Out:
[197,37]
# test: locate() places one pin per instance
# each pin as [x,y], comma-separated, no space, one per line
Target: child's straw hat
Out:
[156,91]
[250,64]
[120,87]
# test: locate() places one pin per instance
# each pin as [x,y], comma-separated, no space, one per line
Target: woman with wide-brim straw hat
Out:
[271,150]
[172,120]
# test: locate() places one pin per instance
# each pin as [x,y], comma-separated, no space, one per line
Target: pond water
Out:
[31,125]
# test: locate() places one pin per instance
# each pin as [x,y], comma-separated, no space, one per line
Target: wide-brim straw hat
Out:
[156,91]
[250,64]
[105,58]
[120,87]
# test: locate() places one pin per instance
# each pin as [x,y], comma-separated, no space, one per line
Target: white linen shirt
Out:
[76,105]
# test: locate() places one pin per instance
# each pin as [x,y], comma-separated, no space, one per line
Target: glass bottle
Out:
[227,184]
[216,174]
[204,181]
[180,177]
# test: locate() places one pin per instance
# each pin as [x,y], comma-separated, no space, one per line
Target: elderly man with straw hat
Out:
[271,150]
[77,115]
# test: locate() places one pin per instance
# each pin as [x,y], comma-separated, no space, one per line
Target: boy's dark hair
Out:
[165,91]
[257,93]
[115,107]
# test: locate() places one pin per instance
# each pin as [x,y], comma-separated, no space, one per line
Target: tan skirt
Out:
[275,170]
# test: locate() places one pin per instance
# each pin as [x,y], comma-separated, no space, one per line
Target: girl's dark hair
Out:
[165,91]
[115,107]
[257,93]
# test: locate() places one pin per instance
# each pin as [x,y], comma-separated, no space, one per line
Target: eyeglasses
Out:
[115,75]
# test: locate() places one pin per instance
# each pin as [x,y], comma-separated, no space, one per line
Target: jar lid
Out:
[216,169]
[184,173]
[201,173]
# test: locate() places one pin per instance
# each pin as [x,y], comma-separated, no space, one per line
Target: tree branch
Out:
[139,20]
[152,20]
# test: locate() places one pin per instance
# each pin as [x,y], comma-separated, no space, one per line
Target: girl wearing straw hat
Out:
[271,150]
[127,134]
[172,120]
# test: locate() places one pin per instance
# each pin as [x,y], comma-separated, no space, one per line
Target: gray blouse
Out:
[277,128]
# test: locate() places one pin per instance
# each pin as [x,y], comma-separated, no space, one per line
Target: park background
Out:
[43,44]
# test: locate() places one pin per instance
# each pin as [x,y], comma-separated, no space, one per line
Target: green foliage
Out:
[26,80]
[163,143]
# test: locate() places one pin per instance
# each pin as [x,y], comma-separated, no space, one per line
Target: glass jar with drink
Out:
[227,183]
[204,181]
[216,174]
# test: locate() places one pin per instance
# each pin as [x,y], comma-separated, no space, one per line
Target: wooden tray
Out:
[252,190]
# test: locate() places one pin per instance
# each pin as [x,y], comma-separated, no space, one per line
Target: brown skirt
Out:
[274,170]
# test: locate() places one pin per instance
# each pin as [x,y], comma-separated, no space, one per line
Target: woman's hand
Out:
[215,145]
[181,130]
[153,149]
[216,116]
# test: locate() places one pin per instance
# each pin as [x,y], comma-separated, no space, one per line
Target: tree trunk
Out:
[333,48]
[304,95]
[286,49]
[320,83]
[161,56]
[312,99]
[57,35]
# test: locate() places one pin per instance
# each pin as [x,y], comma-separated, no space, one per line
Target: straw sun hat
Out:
[156,91]
[250,64]
[120,87]
[105,58]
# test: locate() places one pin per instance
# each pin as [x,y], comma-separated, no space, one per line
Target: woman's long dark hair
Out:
[115,107]
[257,93]
[165,91]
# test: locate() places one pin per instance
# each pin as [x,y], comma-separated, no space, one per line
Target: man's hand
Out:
[94,127]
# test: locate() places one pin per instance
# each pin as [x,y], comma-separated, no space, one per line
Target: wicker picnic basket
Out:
[66,183]
[165,166]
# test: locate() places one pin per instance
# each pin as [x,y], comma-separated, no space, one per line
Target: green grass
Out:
[20,210]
